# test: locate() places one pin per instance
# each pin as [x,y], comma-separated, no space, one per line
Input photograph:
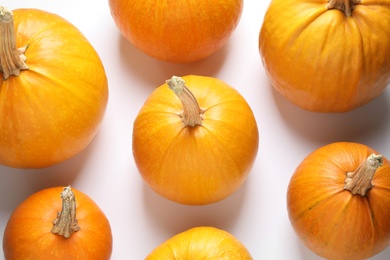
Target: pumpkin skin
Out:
[28,233]
[330,220]
[198,164]
[201,243]
[177,31]
[52,110]
[322,60]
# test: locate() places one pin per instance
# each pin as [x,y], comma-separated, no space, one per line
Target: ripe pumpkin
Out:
[195,140]
[177,31]
[48,226]
[201,243]
[339,201]
[327,57]
[52,104]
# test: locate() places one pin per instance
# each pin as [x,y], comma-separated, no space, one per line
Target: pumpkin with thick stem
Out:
[339,201]
[327,56]
[58,223]
[53,89]
[195,140]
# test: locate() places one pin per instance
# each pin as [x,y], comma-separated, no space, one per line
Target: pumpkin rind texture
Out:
[323,61]
[201,243]
[177,31]
[201,164]
[28,233]
[330,220]
[52,110]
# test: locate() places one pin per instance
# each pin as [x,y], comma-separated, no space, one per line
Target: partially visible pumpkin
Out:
[201,243]
[44,226]
[52,104]
[179,30]
[327,57]
[195,140]
[339,201]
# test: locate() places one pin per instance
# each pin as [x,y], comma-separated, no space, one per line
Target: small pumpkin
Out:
[339,201]
[48,226]
[327,56]
[195,140]
[177,31]
[53,89]
[201,243]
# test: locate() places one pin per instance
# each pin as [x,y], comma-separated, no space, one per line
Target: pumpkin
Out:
[201,243]
[177,31]
[57,223]
[195,140]
[327,57]
[53,89]
[339,201]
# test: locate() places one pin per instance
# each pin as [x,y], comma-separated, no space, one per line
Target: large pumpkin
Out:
[195,140]
[57,223]
[177,30]
[327,57]
[201,243]
[52,104]
[339,201]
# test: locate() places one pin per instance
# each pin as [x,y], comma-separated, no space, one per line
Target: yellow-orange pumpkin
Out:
[52,104]
[339,201]
[198,146]
[201,243]
[327,57]
[58,223]
[177,30]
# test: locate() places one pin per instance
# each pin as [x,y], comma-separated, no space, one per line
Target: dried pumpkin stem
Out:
[12,59]
[359,181]
[66,222]
[192,113]
[345,6]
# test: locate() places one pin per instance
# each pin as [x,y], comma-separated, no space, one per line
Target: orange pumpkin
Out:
[177,31]
[195,140]
[201,243]
[327,57]
[46,227]
[339,201]
[52,104]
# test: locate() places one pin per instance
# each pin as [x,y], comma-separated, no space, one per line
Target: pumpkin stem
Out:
[359,181]
[345,6]
[192,113]
[66,223]
[12,59]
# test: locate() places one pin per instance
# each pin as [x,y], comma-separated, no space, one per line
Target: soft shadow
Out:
[173,218]
[154,72]
[359,124]
[18,184]
[306,254]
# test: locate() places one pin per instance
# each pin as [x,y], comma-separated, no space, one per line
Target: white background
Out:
[140,219]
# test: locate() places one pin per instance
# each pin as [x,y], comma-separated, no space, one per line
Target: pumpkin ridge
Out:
[222,146]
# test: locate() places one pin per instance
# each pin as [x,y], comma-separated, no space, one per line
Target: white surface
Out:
[140,219]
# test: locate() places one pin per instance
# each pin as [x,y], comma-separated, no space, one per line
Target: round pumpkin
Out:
[195,140]
[327,57]
[201,243]
[339,201]
[178,31]
[57,223]
[53,89]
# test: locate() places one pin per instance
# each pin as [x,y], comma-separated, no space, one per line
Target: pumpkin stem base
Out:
[12,59]
[192,113]
[359,181]
[66,222]
[345,6]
